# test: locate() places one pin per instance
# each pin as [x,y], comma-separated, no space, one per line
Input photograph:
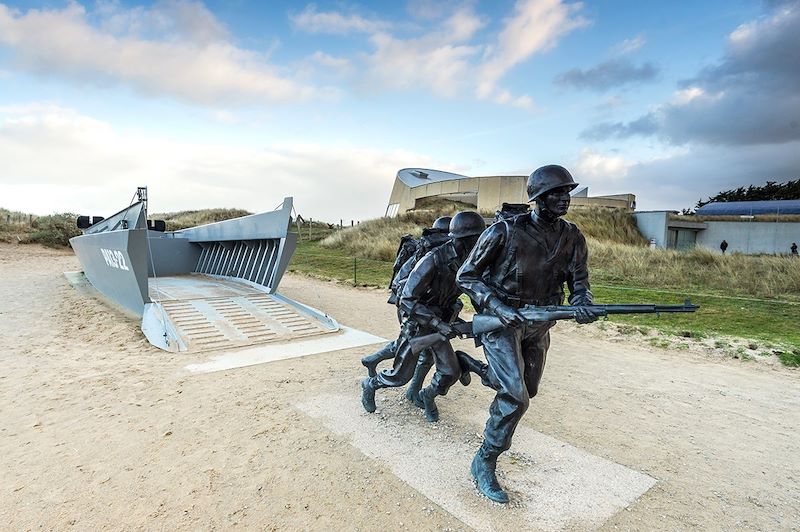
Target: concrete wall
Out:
[613,203]
[653,225]
[492,192]
[750,237]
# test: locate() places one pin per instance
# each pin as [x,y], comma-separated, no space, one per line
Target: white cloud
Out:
[628,46]
[337,63]
[184,55]
[598,166]
[425,62]
[449,56]
[333,22]
[56,160]
[535,26]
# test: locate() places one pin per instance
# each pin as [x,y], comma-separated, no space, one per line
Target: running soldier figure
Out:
[408,254]
[520,261]
[430,302]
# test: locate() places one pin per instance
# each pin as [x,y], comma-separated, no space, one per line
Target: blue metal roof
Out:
[744,208]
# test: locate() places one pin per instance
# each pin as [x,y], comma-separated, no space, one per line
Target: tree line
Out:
[771,191]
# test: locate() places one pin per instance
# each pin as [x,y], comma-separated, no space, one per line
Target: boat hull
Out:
[115,262]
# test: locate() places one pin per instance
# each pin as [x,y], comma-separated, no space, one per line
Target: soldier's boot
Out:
[465,377]
[431,412]
[469,364]
[368,395]
[483,471]
[371,361]
[414,387]
[424,365]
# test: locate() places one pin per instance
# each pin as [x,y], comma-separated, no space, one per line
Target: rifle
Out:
[484,323]
[421,343]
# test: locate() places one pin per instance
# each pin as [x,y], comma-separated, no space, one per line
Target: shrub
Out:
[54,230]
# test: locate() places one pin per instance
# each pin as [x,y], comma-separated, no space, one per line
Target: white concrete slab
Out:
[345,338]
[553,485]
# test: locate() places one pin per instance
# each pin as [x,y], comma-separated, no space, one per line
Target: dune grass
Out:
[698,270]
[608,225]
[183,219]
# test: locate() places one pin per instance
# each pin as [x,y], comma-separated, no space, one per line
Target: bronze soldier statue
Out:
[408,254]
[524,260]
[429,302]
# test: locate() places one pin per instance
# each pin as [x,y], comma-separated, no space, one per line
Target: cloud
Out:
[645,125]
[749,97]
[606,75]
[55,160]
[679,180]
[175,49]
[448,54]
[438,60]
[333,22]
[340,64]
[534,27]
[594,165]
[628,46]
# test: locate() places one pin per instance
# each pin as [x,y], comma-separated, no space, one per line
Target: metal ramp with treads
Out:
[234,315]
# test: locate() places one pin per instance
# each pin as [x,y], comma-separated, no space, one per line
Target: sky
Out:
[239,104]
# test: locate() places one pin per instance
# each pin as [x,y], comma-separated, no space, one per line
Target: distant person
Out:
[723,246]
[794,249]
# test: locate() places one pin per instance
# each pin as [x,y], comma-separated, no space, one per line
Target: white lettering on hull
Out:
[114,258]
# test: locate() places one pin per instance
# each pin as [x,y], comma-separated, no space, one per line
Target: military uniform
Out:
[525,260]
[410,252]
[429,296]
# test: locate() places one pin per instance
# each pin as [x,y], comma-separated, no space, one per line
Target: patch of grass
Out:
[695,335]
[790,359]
[720,344]
[717,316]
[312,259]
[659,342]
[627,329]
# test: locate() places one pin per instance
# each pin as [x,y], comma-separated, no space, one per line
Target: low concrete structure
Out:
[746,236]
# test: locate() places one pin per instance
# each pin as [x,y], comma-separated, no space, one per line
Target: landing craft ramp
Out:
[208,313]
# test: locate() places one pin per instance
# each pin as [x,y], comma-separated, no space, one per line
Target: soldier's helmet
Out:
[547,178]
[466,223]
[442,223]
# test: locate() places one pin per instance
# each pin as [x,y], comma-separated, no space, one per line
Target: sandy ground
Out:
[101,430]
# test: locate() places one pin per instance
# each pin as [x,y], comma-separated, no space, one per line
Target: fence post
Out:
[355,272]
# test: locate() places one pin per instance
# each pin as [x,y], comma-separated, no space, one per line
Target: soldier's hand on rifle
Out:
[509,316]
[585,315]
[443,328]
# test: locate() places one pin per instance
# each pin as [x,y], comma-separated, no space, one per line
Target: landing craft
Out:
[211,286]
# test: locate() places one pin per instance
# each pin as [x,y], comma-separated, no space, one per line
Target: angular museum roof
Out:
[415,177]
